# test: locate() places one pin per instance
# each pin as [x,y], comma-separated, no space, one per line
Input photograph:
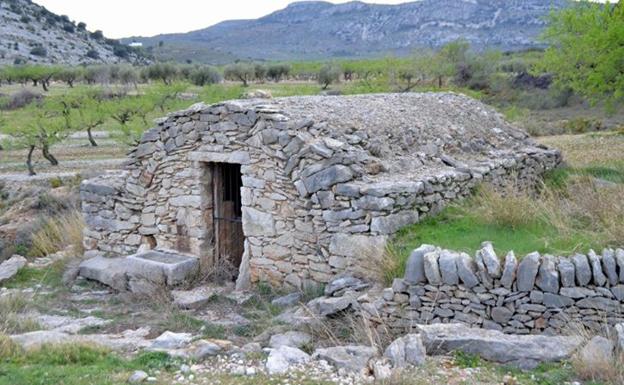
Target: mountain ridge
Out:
[29,33]
[320,30]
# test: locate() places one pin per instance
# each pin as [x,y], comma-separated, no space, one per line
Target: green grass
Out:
[76,365]
[28,277]
[460,228]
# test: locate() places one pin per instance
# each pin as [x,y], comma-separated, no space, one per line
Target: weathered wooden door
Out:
[227,214]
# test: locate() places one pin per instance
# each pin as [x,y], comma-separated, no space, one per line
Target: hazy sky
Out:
[123,18]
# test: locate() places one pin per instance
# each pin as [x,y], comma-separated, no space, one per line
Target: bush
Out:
[97,35]
[39,51]
[205,75]
[122,51]
[329,74]
[582,125]
[243,72]
[20,99]
[93,54]
[276,72]
[69,28]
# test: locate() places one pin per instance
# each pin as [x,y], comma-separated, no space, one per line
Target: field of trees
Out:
[42,107]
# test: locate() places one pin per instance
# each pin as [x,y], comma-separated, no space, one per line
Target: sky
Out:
[125,18]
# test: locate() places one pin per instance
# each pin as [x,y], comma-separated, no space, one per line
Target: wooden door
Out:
[227,214]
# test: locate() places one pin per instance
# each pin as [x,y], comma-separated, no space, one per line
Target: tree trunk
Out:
[44,84]
[45,151]
[91,139]
[31,169]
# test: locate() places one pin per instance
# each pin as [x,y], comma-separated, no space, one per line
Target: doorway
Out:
[229,239]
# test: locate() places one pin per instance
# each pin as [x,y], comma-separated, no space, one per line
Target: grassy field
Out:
[578,208]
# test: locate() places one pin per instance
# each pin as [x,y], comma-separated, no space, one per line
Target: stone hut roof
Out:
[411,135]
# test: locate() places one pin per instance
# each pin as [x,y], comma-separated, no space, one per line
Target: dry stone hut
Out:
[297,190]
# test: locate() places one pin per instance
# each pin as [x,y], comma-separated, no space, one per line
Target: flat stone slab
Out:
[523,351]
[156,267]
[194,298]
[109,271]
[162,267]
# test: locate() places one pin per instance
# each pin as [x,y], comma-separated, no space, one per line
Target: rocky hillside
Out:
[317,29]
[31,34]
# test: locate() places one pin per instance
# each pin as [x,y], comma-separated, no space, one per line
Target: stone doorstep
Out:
[158,267]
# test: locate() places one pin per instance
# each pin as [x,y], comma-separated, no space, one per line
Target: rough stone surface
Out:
[509,270]
[170,340]
[596,266]
[137,377]
[287,300]
[491,261]
[194,298]
[527,271]
[406,350]
[583,271]
[548,276]
[293,339]
[448,268]
[10,267]
[524,351]
[352,358]
[609,266]
[282,358]
[466,269]
[415,267]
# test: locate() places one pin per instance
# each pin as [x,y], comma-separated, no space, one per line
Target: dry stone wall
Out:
[316,200]
[537,294]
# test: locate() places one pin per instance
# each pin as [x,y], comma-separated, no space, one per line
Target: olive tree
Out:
[243,72]
[328,74]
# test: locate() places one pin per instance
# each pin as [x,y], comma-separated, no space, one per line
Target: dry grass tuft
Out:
[349,328]
[58,233]
[509,206]
[594,366]
[8,348]
[12,315]
[581,207]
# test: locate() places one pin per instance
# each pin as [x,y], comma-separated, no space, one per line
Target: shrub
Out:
[39,51]
[68,27]
[82,26]
[582,125]
[20,99]
[243,72]
[276,72]
[25,19]
[121,51]
[93,54]
[97,35]
[329,74]
[205,75]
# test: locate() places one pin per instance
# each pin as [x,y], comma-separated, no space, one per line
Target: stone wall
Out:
[315,201]
[538,294]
